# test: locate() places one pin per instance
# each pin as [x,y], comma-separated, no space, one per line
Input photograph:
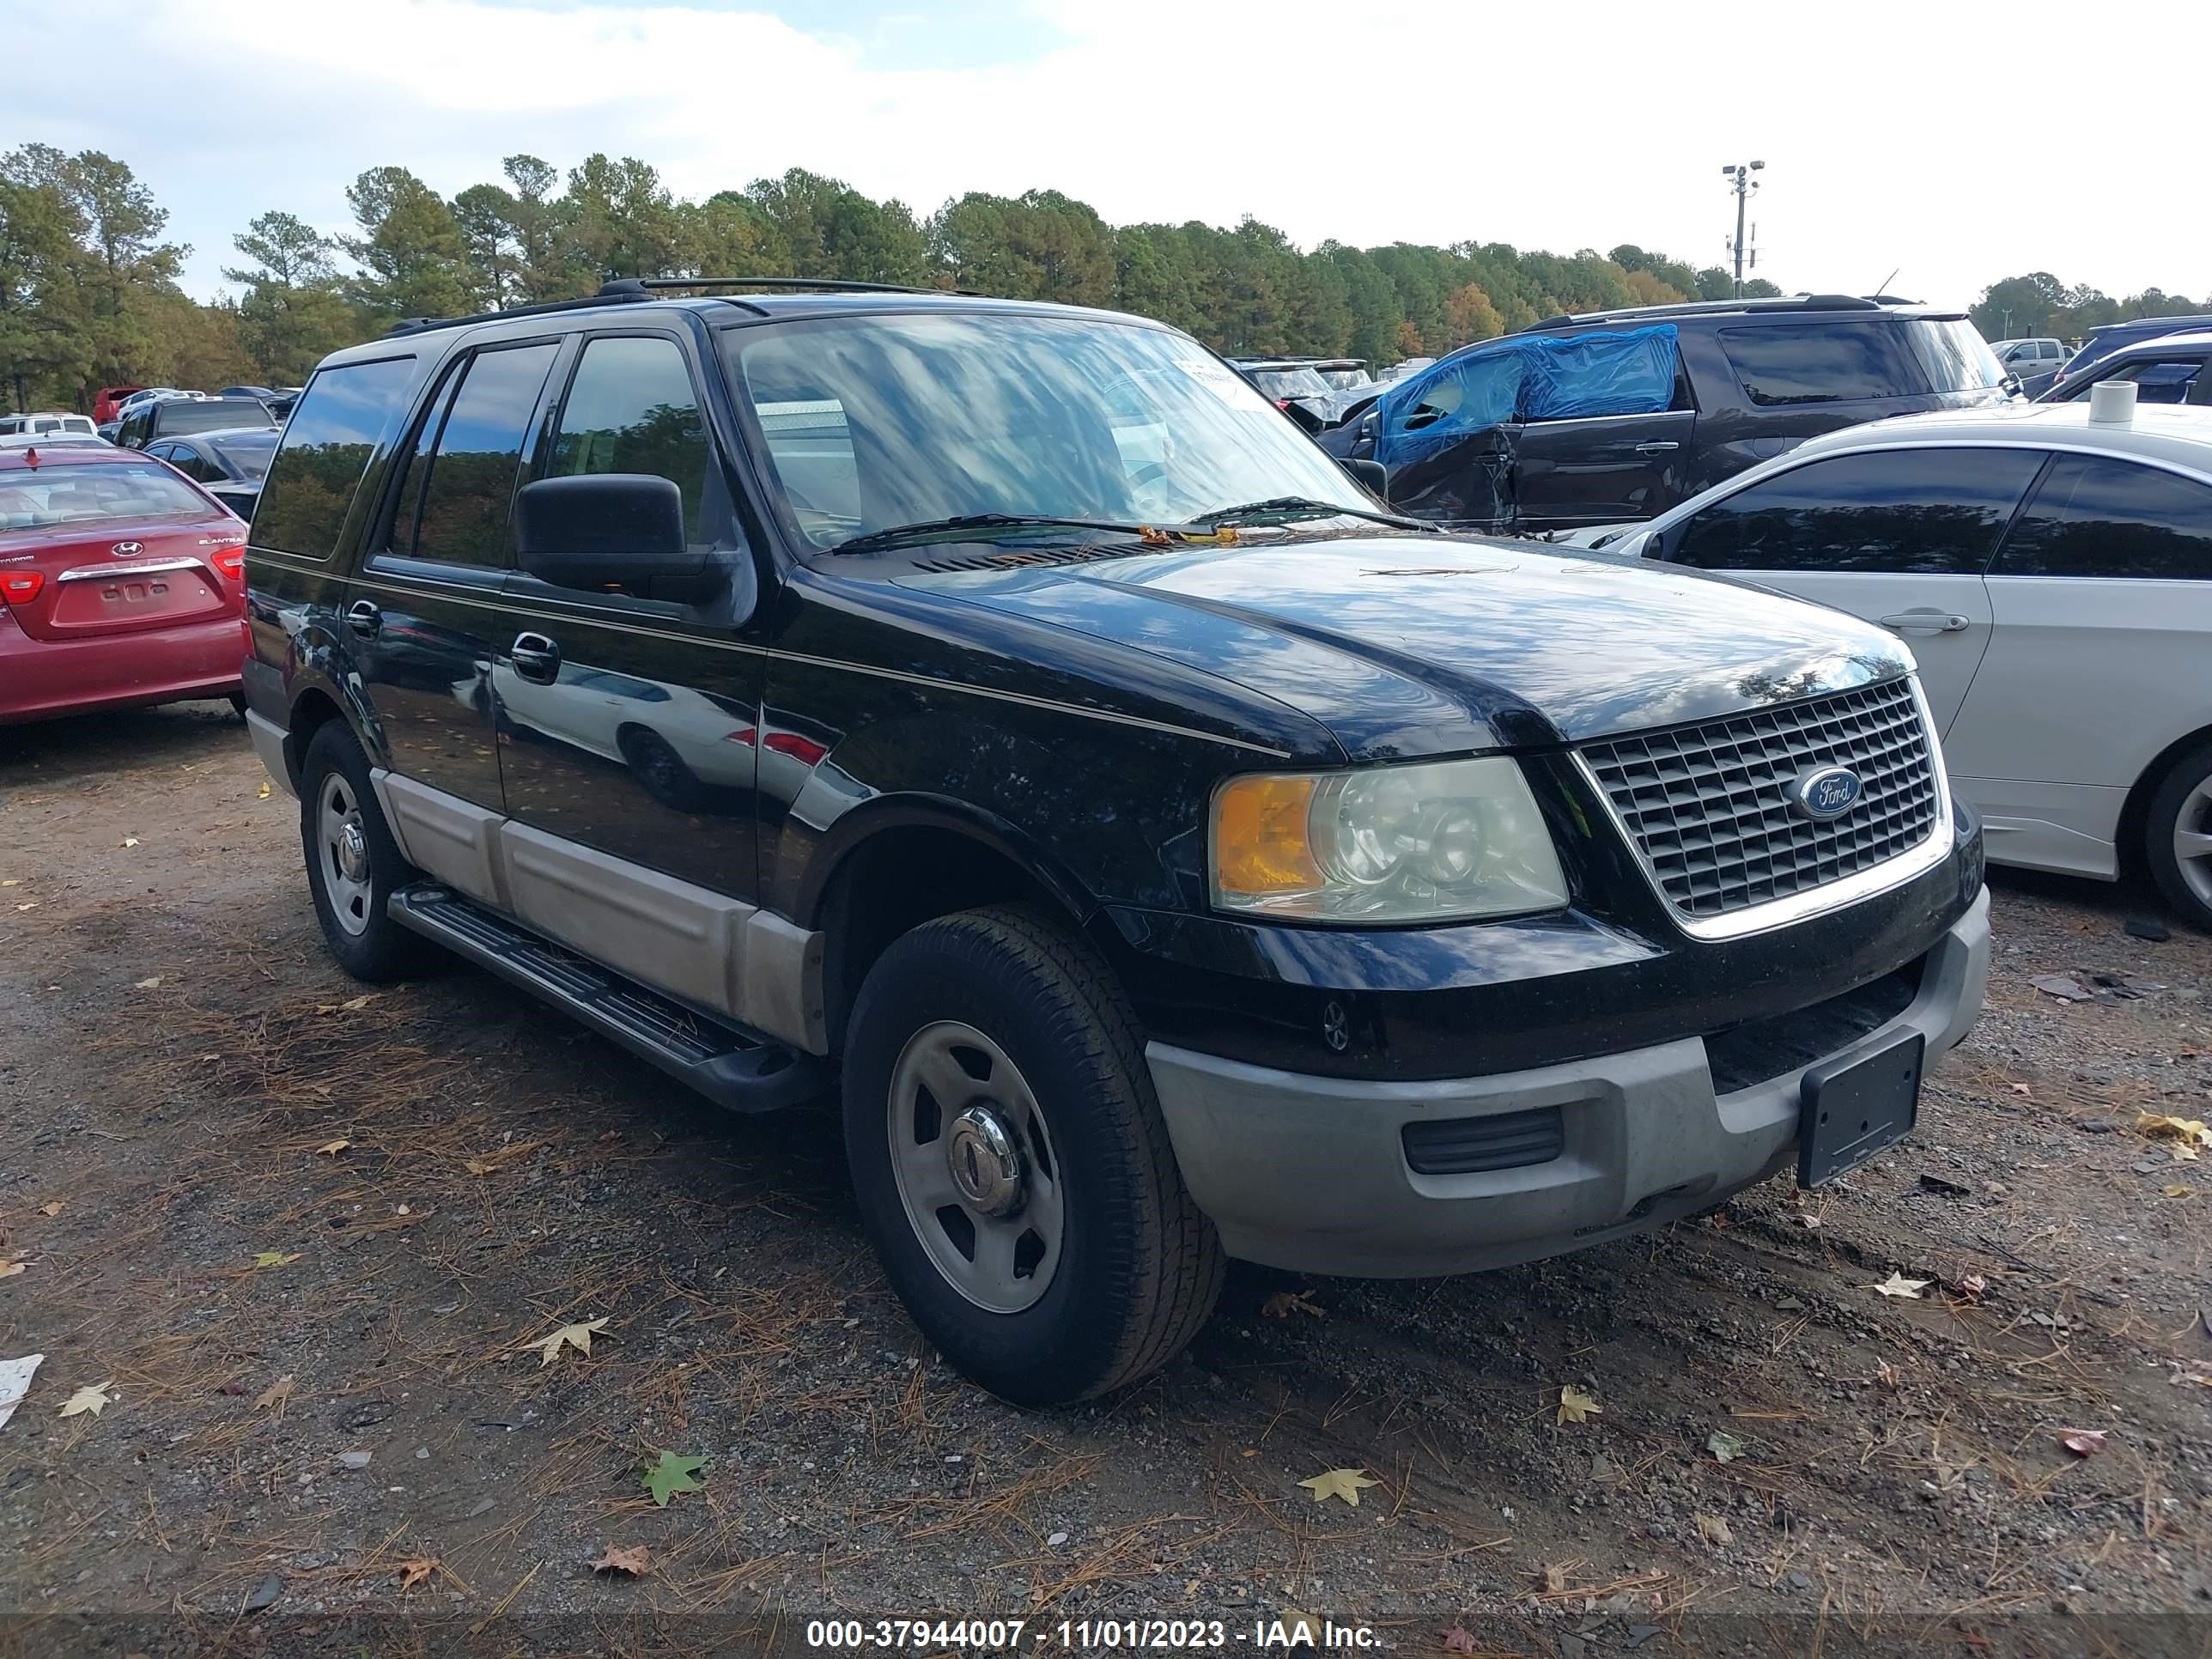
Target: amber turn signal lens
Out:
[1260,841]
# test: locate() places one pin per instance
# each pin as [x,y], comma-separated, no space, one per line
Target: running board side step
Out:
[732,1066]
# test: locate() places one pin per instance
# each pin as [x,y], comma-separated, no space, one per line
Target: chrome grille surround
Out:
[1704,806]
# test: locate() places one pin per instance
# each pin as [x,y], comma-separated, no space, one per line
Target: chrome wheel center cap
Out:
[353,851]
[986,1165]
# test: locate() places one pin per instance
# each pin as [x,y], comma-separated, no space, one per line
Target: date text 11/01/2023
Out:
[1085,1635]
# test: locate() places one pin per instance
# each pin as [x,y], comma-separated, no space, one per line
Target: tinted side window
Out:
[1822,362]
[334,431]
[2093,516]
[479,451]
[2165,380]
[1929,511]
[631,409]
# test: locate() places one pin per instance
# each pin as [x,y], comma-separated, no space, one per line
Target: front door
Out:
[1897,537]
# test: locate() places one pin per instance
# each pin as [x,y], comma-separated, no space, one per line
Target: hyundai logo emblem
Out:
[127,549]
[1826,792]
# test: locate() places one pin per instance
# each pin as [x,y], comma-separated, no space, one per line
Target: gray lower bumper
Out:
[268,744]
[1309,1173]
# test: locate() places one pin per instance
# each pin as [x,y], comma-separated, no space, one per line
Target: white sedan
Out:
[2052,574]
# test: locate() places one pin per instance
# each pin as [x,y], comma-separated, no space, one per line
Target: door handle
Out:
[535,658]
[364,618]
[1926,621]
[1656,447]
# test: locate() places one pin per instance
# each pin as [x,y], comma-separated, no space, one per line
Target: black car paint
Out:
[1075,719]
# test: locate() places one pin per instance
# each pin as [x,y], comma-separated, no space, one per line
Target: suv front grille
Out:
[1708,806]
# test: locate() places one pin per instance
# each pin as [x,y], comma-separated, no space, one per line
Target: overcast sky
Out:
[1950,142]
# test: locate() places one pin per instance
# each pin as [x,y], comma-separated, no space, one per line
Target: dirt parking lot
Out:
[297,1238]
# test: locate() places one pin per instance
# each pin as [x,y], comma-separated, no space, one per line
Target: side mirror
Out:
[1372,474]
[609,530]
[1635,544]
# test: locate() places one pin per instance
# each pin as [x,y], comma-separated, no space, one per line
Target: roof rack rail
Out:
[415,324]
[1709,308]
[637,287]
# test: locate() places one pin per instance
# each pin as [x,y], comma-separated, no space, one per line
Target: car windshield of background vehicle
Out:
[2160,382]
[1931,511]
[248,456]
[1825,362]
[65,495]
[878,421]
[334,430]
[2095,515]
[1955,356]
[1290,382]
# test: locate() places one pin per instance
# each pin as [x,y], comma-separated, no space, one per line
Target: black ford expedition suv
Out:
[999,711]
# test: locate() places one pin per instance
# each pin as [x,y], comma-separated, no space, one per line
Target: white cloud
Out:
[1890,141]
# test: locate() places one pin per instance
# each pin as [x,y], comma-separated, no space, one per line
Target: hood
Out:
[1409,645]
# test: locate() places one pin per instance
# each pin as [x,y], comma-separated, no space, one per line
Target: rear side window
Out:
[2164,382]
[631,409]
[1924,511]
[335,429]
[2095,516]
[462,517]
[1822,362]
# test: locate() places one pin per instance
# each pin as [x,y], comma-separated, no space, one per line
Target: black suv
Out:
[997,712]
[172,417]
[1611,417]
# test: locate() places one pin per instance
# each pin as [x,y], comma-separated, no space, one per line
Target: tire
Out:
[237,702]
[659,770]
[1047,1048]
[2180,815]
[361,935]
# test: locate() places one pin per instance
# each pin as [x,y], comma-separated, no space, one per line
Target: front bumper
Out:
[1311,1174]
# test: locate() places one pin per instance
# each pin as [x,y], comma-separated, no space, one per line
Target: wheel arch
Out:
[2137,809]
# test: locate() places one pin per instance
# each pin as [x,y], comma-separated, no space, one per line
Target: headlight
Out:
[1446,841]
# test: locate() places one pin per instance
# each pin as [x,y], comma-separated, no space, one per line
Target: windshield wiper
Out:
[1303,507]
[928,529]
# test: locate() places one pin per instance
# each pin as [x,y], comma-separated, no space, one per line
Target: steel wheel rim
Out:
[341,845]
[2192,840]
[951,1088]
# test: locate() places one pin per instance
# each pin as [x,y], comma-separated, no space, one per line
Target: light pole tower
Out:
[1744,185]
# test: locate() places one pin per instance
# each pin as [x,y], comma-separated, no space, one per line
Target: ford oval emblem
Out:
[127,549]
[1826,792]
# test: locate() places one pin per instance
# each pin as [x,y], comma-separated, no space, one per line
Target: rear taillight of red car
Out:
[20,586]
[231,560]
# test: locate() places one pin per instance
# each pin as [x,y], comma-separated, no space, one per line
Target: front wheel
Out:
[2178,836]
[1011,1165]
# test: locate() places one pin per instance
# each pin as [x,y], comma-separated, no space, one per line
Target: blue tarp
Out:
[1534,376]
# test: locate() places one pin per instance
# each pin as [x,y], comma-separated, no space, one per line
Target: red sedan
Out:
[122,584]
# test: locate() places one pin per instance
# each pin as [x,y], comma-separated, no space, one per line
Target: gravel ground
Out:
[300,1240]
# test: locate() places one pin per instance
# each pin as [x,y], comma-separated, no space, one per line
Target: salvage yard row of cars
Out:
[1005,718]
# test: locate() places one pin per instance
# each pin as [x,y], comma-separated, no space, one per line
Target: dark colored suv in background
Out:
[170,417]
[1616,416]
[999,713]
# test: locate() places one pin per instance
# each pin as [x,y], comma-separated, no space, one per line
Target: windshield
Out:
[36,500]
[1343,379]
[1955,356]
[1290,382]
[873,422]
[247,456]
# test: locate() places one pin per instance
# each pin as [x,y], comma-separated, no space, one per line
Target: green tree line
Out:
[90,293]
[2039,307]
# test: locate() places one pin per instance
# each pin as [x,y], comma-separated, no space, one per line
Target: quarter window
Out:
[471,471]
[1783,364]
[1924,511]
[2096,516]
[631,409]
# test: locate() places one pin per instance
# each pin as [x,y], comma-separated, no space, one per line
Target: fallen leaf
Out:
[1972,1284]
[414,1570]
[1347,1484]
[274,1394]
[1724,1446]
[1555,1579]
[1456,1640]
[95,1399]
[54,1208]
[2186,1134]
[10,1269]
[2023,1091]
[1303,1628]
[353,1005]
[12,881]
[1887,1374]
[32,905]
[1714,1530]
[633,1558]
[275,1259]
[1283,1304]
[1899,1285]
[152,984]
[493,1163]
[2083,1443]
[264,790]
[330,1147]
[128,840]
[578,1337]
[671,1475]
[1811,1224]
[2179,1189]
[1576,1407]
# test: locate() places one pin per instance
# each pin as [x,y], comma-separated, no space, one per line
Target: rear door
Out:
[1899,537]
[107,549]
[425,612]
[1599,469]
